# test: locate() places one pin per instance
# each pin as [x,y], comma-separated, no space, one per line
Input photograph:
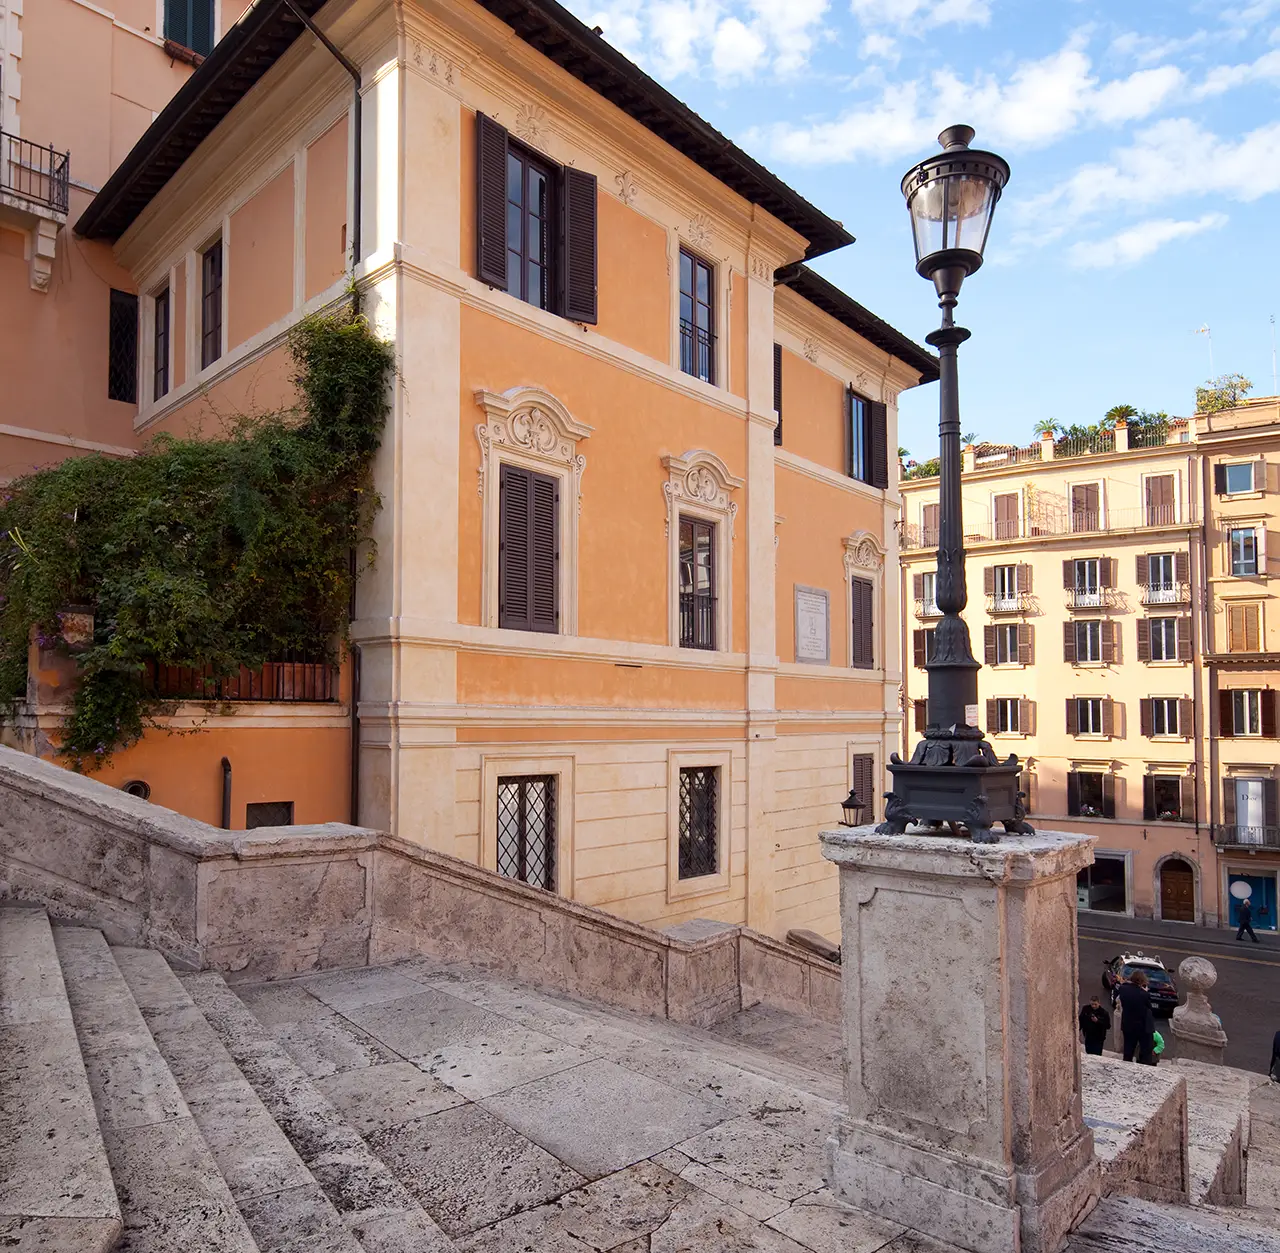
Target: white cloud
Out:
[879,47]
[736,50]
[1137,242]
[1034,106]
[920,14]
[1224,78]
[1145,49]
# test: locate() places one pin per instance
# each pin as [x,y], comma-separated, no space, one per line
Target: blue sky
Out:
[1144,137]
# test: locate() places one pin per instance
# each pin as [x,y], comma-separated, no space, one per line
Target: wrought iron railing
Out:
[1018,602]
[1005,456]
[1091,597]
[927,608]
[697,620]
[285,681]
[36,172]
[1241,836]
[1166,593]
[1085,445]
[697,351]
[1047,521]
[1148,436]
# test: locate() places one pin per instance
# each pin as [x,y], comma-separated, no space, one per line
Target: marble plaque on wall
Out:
[813,625]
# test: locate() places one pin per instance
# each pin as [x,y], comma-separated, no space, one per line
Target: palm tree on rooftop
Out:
[1115,414]
[1046,426]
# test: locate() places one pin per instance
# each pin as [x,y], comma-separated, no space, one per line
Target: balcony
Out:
[1091,598]
[286,682]
[1246,837]
[35,183]
[1019,602]
[1166,593]
[927,608]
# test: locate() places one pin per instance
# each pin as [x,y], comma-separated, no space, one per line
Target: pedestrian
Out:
[1095,1022]
[1245,914]
[1274,1069]
[1137,1022]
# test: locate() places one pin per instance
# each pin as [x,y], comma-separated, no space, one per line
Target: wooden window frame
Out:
[1228,466]
[716,884]
[1243,608]
[212,302]
[532,430]
[693,637]
[531,163]
[702,311]
[1152,635]
[1241,700]
[161,342]
[1252,531]
[866,456]
[1176,702]
[1088,624]
[1006,631]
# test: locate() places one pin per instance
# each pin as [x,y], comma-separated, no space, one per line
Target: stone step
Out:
[1217,1129]
[1128,1225]
[173,1198]
[376,1207]
[276,1194]
[56,1193]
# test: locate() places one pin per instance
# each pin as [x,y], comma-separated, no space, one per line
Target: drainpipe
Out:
[1206,711]
[355,735]
[354,71]
[226,794]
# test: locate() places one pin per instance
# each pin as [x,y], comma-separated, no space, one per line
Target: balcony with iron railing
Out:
[1091,597]
[1047,522]
[34,175]
[1018,602]
[926,608]
[697,351]
[1166,593]
[1246,837]
[286,682]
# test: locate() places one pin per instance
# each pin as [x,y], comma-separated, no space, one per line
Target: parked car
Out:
[1160,985]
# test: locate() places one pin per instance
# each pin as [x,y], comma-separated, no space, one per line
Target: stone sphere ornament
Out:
[1198,975]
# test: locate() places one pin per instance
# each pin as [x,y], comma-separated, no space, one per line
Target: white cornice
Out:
[832,478]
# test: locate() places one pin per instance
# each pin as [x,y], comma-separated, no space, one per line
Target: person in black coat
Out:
[1274,1069]
[1095,1022]
[1245,914]
[1137,1022]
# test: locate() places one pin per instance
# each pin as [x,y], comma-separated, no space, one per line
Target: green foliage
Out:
[923,469]
[1046,426]
[1117,413]
[221,553]
[1224,392]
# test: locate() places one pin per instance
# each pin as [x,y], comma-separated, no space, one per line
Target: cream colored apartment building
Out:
[1119,597]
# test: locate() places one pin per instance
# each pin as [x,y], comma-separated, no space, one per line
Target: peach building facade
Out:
[632,632]
[1118,595]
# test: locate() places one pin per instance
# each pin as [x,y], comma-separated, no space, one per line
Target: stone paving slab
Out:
[376,1097]
[1133,1226]
[749,1152]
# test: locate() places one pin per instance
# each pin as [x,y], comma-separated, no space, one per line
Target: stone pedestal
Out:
[1195,1026]
[962,1070]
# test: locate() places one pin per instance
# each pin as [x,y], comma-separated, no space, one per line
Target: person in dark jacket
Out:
[1137,1022]
[1245,914]
[1274,1069]
[1095,1022]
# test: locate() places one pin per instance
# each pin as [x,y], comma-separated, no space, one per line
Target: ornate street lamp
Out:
[953,776]
[852,809]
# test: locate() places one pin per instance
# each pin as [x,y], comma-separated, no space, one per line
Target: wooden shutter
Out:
[578,245]
[864,783]
[1108,795]
[1260,475]
[1143,571]
[993,717]
[1187,797]
[849,468]
[1181,567]
[1073,793]
[921,710]
[777,391]
[1108,716]
[988,580]
[1249,632]
[1184,639]
[1069,641]
[1226,715]
[1186,717]
[1270,808]
[1027,717]
[1073,716]
[491,202]
[1068,574]
[917,648]
[1144,717]
[514,500]
[989,645]
[917,586]
[1026,643]
[1219,480]
[1269,713]
[1235,628]
[929,519]
[1107,572]
[1229,802]
[545,554]
[1148,797]
[1024,577]
[862,634]
[1108,641]
[1144,639]
[879,421]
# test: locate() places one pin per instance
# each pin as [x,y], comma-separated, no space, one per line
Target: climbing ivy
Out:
[216,553]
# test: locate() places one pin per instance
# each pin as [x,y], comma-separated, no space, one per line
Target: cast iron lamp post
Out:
[953,776]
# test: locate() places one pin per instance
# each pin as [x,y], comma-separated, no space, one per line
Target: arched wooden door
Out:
[1177,891]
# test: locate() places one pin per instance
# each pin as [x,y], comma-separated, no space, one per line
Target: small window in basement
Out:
[268,814]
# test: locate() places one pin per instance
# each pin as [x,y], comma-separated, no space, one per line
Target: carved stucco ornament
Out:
[529,421]
[531,122]
[862,551]
[700,478]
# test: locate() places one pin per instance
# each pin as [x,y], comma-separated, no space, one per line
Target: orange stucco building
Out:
[633,631]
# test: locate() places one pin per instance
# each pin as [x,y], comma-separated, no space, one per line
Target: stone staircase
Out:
[427,1106]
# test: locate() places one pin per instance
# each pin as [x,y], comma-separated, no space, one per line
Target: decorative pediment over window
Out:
[535,426]
[701,479]
[862,551]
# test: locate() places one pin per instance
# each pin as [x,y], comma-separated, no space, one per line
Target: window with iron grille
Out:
[697,583]
[268,814]
[122,347]
[697,318]
[527,829]
[211,304]
[160,344]
[190,23]
[699,851]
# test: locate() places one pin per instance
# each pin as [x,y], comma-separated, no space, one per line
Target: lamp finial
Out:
[959,136]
